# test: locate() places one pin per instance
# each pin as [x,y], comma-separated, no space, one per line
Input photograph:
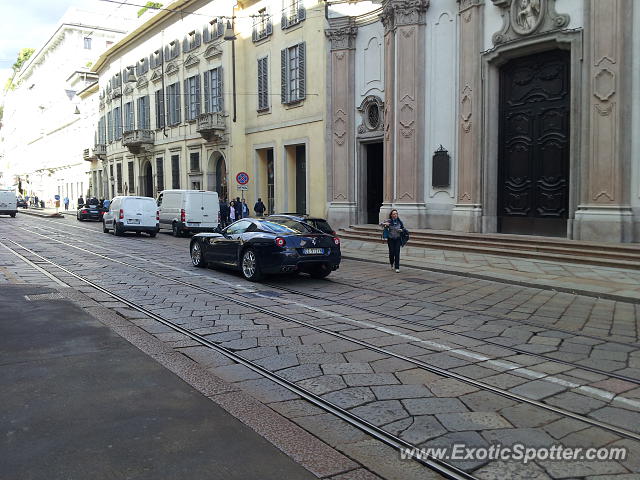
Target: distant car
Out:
[268,245]
[316,222]
[22,203]
[90,212]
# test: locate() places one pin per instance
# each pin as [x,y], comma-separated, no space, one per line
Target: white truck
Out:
[188,211]
[8,203]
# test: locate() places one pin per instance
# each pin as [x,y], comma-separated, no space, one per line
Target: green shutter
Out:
[302,71]
[283,76]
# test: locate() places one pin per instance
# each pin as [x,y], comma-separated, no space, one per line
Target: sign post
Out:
[242,178]
[57,199]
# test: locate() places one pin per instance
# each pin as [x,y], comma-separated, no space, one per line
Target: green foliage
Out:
[23,56]
[88,65]
[147,6]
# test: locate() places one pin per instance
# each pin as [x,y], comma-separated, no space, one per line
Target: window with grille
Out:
[293,74]
[160,173]
[175,171]
[192,97]
[119,177]
[129,121]
[262,25]
[160,114]
[173,104]
[144,113]
[263,84]
[213,100]
[213,30]
[194,162]
[130,168]
[293,12]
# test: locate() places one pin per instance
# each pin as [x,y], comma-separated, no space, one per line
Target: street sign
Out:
[242,178]
[243,187]
[57,197]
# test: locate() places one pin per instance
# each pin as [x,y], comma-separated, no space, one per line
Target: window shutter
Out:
[220,91]
[187,99]
[220,27]
[301,12]
[302,71]
[147,112]
[185,44]
[284,22]
[198,40]
[254,33]
[167,52]
[283,76]
[152,61]
[260,86]
[269,26]
[207,93]
[206,33]
[197,110]
[177,102]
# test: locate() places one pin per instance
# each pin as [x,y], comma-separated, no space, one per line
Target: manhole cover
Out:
[44,296]
[421,281]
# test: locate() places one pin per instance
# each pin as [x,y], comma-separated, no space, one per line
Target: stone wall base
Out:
[413,215]
[341,215]
[466,218]
[603,224]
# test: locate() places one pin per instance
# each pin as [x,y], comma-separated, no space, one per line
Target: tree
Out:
[147,6]
[23,56]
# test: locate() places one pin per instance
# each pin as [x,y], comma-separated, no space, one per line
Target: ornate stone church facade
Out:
[508,116]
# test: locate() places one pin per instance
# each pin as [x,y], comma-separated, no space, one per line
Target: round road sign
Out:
[242,178]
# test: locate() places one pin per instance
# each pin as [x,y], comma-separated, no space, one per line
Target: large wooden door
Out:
[533,163]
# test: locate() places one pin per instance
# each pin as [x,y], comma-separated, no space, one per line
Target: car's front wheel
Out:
[249,266]
[197,255]
[104,227]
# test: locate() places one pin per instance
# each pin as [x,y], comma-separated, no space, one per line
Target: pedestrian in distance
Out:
[238,206]
[66,203]
[259,208]
[393,231]
[232,211]
[80,202]
[245,209]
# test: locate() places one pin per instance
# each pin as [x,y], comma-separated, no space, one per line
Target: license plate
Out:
[193,224]
[313,251]
[133,220]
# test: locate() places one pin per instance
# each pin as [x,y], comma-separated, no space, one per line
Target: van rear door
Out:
[149,208]
[211,208]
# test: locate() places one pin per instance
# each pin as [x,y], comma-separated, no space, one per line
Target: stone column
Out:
[341,170]
[404,23]
[604,213]
[467,213]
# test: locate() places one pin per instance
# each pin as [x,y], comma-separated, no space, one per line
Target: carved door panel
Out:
[533,163]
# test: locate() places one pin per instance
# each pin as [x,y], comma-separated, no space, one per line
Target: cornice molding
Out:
[342,33]
[397,13]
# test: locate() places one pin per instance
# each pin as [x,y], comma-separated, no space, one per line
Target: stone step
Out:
[536,248]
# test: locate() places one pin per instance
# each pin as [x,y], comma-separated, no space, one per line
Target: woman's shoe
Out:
[397,270]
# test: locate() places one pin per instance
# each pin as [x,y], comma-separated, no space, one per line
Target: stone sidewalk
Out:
[604,282]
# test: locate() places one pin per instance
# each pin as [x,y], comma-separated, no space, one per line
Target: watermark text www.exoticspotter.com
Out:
[517,452]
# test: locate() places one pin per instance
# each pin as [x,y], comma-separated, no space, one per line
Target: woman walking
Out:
[393,229]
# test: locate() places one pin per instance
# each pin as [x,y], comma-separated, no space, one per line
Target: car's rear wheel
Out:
[249,265]
[176,230]
[152,234]
[104,227]
[117,230]
[320,271]
[13,215]
[197,255]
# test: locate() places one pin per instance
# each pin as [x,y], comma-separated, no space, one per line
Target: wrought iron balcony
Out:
[136,140]
[212,126]
[98,151]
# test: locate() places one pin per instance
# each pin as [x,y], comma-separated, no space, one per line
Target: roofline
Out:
[88,90]
[119,46]
[87,72]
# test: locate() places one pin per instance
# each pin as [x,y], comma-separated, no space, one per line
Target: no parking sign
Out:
[242,178]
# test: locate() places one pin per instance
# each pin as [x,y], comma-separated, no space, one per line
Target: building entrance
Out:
[373,190]
[148,180]
[533,159]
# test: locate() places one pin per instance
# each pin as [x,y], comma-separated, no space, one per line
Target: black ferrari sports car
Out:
[89,212]
[262,246]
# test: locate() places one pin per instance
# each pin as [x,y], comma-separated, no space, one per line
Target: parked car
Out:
[8,203]
[90,212]
[268,245]
[21,203]
[316,222]
[131,214]
[188,211]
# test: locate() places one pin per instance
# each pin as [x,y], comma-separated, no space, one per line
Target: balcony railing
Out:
[212,126]
[136,140]
[99,150]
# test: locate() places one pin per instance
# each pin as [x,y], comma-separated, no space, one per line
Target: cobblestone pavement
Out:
[544,346]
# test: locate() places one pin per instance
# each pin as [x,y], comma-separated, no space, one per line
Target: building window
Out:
[129,73]
[293,12]
[160,173]
[160,123]
[194,162]
[263,84]
[293,86]
[117,123]
[144,113]
[213,30]
[192,99]
[116,81]
[262,26]
[195,185]
[130,171]
[213,90]
[102,131]
[175,171]
[191,41]
[172,50]
[119,177]
[155,59]
[142,66]
[173,104]
[110,127]
[87,43]
[129,121]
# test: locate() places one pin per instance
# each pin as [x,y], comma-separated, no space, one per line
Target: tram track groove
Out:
[423,365]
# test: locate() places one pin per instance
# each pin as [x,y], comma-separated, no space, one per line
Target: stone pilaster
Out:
[604,213]
[342,203]
[404,23]
[467,213]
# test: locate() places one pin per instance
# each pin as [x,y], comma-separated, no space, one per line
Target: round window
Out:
[373,116]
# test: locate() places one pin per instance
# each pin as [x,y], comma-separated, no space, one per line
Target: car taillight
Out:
[280,241]
[158,215]
[121,215]
[84,210]
[336,240]
[183,215]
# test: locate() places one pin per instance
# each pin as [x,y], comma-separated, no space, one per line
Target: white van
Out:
[188,211]
[131,214]
[8,203]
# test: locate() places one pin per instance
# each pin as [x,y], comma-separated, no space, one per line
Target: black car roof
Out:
[296,216]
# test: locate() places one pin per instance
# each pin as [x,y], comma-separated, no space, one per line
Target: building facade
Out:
[512,116]
[206,90]
[46,128]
